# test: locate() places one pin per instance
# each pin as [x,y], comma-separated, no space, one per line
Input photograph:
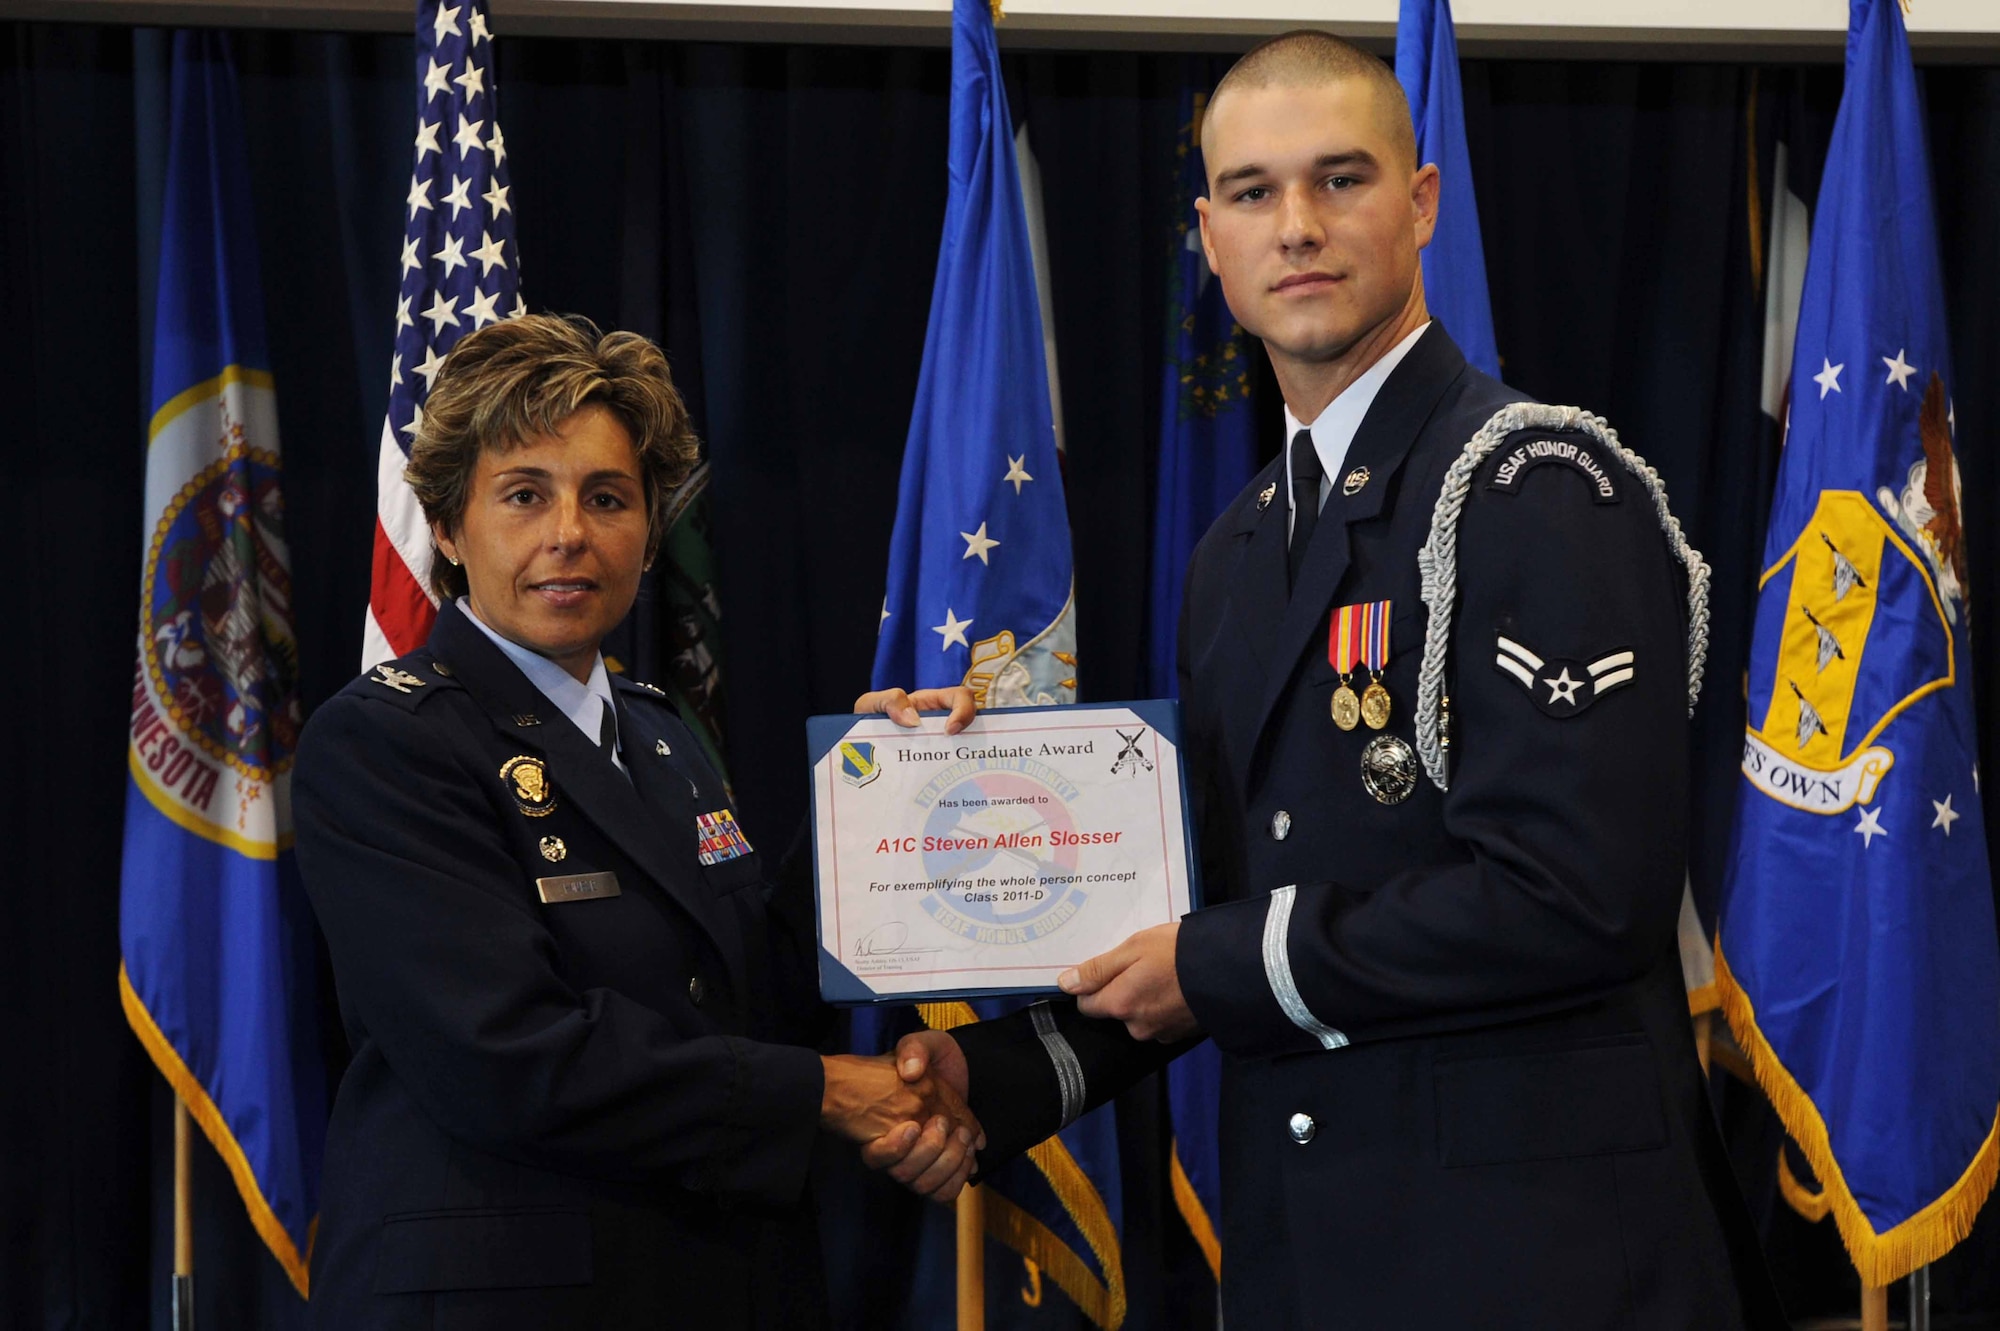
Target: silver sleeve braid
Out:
[1437,561]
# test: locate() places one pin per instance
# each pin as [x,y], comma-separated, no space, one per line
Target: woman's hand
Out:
[921,1118]
[902,706]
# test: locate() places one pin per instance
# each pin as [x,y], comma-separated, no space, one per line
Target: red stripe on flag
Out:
[400,606]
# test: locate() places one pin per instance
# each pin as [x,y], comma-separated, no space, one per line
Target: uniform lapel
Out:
[671,792]
[1383,441]
[1256,600]
[576,768]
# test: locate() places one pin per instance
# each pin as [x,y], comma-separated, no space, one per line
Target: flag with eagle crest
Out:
[1856,955]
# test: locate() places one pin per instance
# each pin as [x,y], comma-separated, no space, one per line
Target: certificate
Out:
[990,861]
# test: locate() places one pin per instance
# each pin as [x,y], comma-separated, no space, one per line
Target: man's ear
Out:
[1424,186]
[1207,249]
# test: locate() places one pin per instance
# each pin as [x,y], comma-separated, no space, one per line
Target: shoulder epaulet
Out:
[407,680]
[642,689]
[1577,440]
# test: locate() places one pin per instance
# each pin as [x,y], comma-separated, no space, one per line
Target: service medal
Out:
[1375,705]
[1346,707]
[1358,635]
[1388,769]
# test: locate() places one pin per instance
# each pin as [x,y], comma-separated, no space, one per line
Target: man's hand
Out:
[923,1118]
[911,1157]
[902,706]
[1136,983]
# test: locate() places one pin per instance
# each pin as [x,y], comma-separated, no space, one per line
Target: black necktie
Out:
[607,735]
[1306,473]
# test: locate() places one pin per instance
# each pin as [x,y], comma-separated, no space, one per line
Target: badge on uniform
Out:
[528,782]
[718,837]
[1563,687]
[1358,635]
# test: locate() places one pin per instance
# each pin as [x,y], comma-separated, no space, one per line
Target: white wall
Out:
[1949,30]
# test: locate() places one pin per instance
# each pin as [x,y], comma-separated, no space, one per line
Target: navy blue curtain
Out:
[771,214]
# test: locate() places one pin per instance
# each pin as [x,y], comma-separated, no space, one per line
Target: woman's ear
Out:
[442,539]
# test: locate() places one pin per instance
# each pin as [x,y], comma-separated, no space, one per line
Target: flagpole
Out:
[1920,1299]
[1874,1308]
[971,1260]
[183,1281]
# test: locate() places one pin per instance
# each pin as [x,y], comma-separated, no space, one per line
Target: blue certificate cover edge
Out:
[842,987]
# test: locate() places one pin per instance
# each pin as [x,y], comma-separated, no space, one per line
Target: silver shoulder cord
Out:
[1437,561]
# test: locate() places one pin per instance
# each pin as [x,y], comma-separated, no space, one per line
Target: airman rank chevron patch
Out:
[1563,687]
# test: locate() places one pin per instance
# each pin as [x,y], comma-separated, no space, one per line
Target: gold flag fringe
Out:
[195,1096]
[1881,1259]
[1198,1222]
[1103,1301]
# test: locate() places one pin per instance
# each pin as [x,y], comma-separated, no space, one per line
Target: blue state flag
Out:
[1208,432]
[214,933]
[1454,262]
[980,588]
[1208,452]
[1856,953]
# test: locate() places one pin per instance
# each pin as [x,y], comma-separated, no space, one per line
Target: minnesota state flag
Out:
[1856,954]
[216,940]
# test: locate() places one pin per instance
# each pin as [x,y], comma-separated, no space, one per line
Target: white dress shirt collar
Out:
[583,703]
[1333,432]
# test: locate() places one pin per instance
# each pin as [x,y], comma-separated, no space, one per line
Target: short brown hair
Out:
[1307,56]
[522,378]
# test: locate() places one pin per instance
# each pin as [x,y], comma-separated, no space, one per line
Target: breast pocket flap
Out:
[488,1248]
[1578,1100]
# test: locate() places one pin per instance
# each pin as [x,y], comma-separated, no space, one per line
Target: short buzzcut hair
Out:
[521,379]
[1306,57]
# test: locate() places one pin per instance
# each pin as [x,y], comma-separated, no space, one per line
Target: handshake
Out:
[908,1111]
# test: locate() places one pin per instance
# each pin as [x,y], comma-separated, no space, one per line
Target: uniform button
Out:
[697,991]
[1303,1128]
[1281,825]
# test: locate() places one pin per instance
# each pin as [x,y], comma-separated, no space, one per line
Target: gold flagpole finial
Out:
[999,13]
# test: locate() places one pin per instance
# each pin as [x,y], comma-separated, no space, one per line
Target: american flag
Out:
[460,272]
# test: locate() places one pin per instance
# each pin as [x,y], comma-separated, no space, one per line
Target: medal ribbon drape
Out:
[1358,635]
[1856,957]
[216,940]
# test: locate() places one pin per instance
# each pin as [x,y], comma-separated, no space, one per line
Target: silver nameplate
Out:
[577,887]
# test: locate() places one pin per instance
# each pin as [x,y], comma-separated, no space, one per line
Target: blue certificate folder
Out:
[840,985]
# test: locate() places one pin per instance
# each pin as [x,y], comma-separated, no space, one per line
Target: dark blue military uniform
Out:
[1460,1086]
[566,1108]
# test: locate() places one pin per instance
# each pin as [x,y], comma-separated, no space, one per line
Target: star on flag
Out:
[1946,815]
[1828,377]
[953,630]
[978,543]
[1899,370]
[1016,472]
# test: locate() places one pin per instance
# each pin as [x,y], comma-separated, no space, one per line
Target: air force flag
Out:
[979,564]
[1856,952]
[216,940]
[1455,260]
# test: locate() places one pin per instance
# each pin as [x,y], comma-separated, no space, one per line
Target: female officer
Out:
[580,1093]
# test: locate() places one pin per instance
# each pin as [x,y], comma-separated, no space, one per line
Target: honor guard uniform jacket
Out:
[1460,1086]
[564,986]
